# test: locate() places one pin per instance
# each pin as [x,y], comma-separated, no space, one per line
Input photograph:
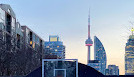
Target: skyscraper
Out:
[100,54]
[95,64]
[89,40]
[107,72]
[129,55]
[112,70]
[54,49]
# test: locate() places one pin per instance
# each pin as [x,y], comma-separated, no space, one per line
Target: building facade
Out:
[8,26]
[107,72]
[21,50]
[32,39]
[54,48]
[100,54]
[129,56]
[112,70]
[95,64]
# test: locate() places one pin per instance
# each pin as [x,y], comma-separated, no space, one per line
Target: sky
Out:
[110,22]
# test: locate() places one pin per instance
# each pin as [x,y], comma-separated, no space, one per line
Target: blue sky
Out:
[68,19]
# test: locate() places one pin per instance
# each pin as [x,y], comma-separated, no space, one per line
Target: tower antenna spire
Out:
[89,24]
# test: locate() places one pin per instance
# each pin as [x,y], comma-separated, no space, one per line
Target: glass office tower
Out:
[54,49]
[100,54]
[94,64]
[112,70]
[129,56]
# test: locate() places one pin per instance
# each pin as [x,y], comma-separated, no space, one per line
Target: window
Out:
[56,50]
[9,10]
[1,26]
[60,72]
[2,16]
[34,36]
[31,43]
[38,41]
[13,24]
[27,35]
[47,46]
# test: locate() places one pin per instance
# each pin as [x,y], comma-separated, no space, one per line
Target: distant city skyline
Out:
[68,19]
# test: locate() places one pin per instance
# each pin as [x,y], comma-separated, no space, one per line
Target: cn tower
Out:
[89,41]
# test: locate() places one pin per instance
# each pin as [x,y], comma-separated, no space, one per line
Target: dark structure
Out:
[60,68]
[21,50]
[83,71]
